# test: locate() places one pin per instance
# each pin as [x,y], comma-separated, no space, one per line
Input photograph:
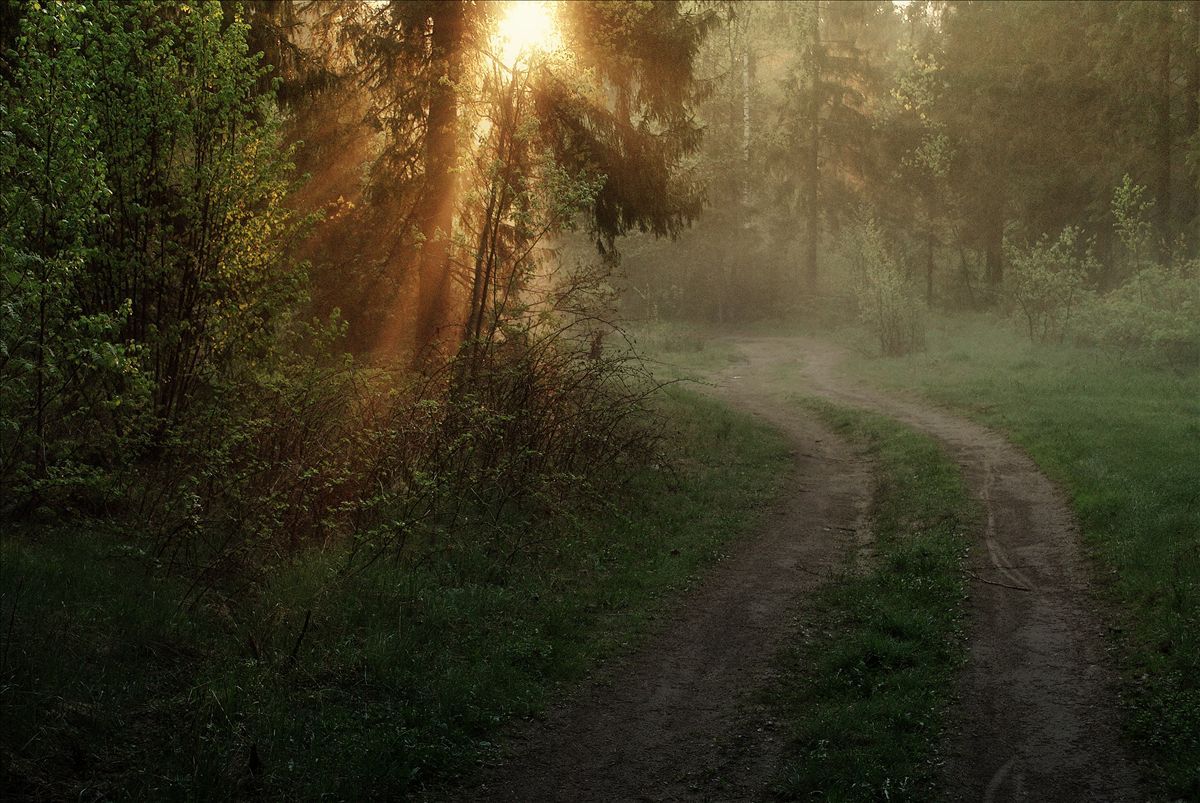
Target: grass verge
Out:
[1124,439]
[682,350]
[865,689]
[386,687]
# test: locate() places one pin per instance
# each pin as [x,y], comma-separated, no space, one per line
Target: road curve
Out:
[671,722]
[1037,715]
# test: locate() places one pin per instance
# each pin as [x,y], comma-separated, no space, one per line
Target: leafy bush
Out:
[68,383]
[144,227]
[1046,282]
[195,226]
[374,462]
[1157,311]
[1131,223]
[887,301]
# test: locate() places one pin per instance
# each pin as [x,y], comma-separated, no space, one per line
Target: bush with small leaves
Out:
[1046,283]
[887,302]
[1156,312]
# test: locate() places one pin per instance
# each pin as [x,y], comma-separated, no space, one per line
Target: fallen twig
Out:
[300,638]
[995,583]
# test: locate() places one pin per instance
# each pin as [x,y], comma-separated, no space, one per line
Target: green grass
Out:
[402,680]
[1124,439]
[682,350]
[866,686]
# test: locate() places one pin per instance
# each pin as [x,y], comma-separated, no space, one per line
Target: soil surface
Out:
[674,721]
[1036,719]
[1037,716]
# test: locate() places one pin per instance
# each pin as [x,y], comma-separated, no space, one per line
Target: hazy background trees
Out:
[958,132]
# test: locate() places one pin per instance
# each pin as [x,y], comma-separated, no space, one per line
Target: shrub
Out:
[1131,223]
[887,302]
[145,220]
[1046,282]
[492,444]
[68,383]
[1157,311]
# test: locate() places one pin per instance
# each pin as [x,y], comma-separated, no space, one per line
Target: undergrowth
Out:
[388,684]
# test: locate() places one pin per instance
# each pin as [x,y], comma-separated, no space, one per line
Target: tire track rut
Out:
[1037,718]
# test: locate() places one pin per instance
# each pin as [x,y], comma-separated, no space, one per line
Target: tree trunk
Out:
[993,253]
[964,269]
[1163,133]
[813,211]
[929,267]
[746,128]
[1189,204]
[441,151]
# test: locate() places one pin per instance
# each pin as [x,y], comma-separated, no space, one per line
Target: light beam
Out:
[525,28]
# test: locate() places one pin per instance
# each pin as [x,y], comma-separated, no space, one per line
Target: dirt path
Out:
[1037,719]
[672,722]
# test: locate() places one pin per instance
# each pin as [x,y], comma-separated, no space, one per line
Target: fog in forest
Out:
[600,400]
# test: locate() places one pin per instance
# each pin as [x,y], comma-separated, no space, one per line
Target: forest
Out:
[600,400]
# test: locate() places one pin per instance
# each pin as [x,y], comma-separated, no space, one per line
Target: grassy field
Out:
[388,686]
[866,686]
[1124,439]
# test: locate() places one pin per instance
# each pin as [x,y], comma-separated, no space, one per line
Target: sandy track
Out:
[672,722]
[1037,718]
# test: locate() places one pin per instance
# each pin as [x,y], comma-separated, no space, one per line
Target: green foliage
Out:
[887,303]
[1131,222]
[644,54]
[67,382]
[196,224]
[144,200]
[1046,283]
[918,85]
[1155,312]
[407,671]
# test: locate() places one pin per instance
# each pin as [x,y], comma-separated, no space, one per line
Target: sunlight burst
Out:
[527,26]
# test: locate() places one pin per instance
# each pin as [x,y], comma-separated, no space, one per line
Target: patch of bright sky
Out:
[526,27]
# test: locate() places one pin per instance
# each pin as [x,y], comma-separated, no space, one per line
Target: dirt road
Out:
[1036,719]
[672,722]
